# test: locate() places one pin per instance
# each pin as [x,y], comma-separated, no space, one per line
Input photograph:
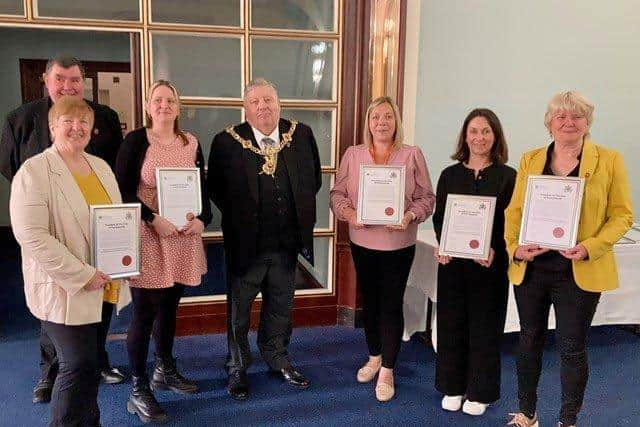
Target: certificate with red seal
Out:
[467,226]
[551,211]
[115,239]
[381,195]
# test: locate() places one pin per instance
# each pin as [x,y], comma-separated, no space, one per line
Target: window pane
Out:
[322,202]
[120,10]
[322,124]
[216,221]
[206,122]
[199,65]
[199,12]
[302,69]
[12,7]
[314,15]
[323,262]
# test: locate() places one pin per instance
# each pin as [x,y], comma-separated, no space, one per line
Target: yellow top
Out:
[606,215]
[95,194]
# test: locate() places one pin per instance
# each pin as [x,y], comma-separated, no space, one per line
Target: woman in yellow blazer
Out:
[573,279]
[49,209]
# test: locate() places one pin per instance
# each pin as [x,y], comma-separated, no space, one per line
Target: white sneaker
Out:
[451,403]
[474,408]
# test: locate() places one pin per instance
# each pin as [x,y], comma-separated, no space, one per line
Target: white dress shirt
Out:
[275,136]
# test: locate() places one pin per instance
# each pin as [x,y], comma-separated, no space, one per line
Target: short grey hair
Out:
[570,101]
[64,61]
[259,81]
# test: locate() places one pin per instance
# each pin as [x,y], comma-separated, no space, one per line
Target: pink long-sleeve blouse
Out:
[419,197]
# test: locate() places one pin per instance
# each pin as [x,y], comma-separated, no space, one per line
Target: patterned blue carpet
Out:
[329,356]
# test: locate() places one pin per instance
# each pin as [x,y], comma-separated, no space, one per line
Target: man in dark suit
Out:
[263,175]
[25,134]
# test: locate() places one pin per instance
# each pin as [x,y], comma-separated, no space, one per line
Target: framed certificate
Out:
[381,195]
[551,211]
[115,239]
[178,194]
[467,226]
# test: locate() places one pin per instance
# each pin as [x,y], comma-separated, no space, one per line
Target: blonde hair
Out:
[398,134]
[172,88]
[571,101]
[69,105]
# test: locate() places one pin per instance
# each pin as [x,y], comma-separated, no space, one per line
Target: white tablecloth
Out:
[618,307]
[421,285]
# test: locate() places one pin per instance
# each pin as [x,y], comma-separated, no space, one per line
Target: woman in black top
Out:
[472,294]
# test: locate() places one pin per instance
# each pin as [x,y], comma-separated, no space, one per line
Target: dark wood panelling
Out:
[351,317]
[355,98]
[402,40]
[210,318]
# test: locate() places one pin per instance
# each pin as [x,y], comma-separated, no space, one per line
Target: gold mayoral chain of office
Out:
[270,154]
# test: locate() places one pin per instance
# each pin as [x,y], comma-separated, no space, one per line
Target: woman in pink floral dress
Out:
[172,256]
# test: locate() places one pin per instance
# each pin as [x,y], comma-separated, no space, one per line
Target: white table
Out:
[618,307]
[421,285]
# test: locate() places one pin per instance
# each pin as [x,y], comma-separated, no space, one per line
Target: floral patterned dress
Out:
[173,259]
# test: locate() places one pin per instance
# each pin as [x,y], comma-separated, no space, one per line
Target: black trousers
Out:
[272,274]
[49,358]
[471,310]
[74,399]
[574,309]
[382,278]
[154,313]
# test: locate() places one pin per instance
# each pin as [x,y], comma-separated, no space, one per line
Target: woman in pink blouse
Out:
[382,255]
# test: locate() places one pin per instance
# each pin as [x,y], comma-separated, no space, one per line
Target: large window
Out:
[211,56]
[210,50]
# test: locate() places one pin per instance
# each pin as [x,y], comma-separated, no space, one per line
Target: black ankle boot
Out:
[143,403]
[167,377]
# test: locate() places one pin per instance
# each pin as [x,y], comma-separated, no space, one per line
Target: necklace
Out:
[385,158]
[269,154]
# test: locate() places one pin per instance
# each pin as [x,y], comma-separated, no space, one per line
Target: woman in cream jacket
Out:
[49,208]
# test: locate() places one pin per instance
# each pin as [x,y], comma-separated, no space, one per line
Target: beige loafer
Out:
[367,373]
[385,392]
